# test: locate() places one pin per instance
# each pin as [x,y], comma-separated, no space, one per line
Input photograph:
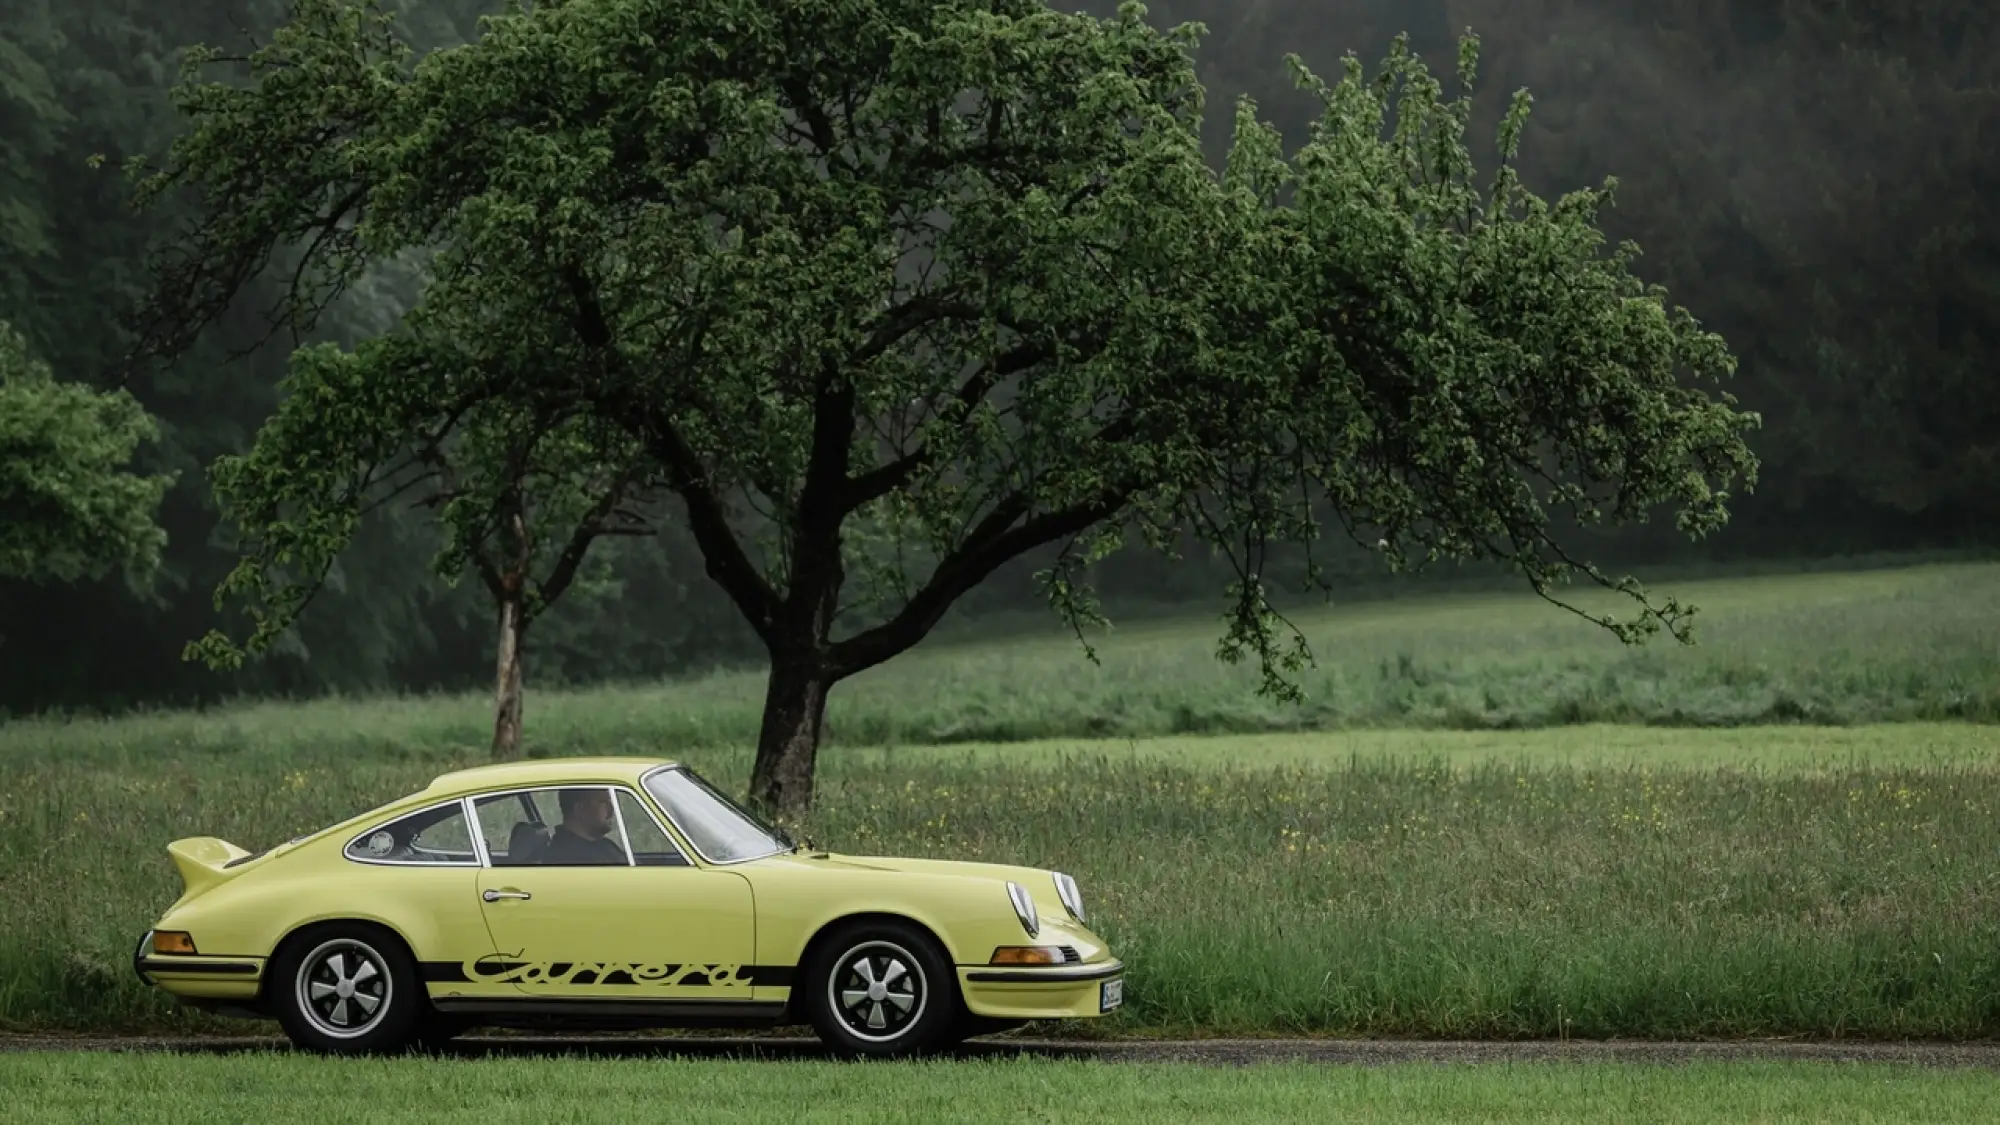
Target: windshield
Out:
[721,830]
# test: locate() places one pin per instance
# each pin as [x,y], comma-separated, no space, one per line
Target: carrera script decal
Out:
[512,970]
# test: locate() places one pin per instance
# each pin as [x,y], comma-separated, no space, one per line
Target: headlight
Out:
[1024,908]
[1072,899]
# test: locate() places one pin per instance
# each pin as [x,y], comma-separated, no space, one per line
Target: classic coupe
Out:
[613,893]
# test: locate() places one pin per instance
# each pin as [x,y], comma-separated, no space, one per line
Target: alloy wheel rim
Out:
[344,989]
[878,991]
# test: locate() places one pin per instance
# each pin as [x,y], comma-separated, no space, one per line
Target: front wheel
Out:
[881,990]
[346,989]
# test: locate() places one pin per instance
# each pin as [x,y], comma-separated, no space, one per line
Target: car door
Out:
[613,912]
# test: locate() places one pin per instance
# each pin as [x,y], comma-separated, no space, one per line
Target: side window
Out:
[510,826]
[570,827]
[650,846]
[437,835]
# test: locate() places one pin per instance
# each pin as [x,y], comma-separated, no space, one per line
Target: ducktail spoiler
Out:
[204,861]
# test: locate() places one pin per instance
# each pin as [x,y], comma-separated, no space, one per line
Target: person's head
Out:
[586,812]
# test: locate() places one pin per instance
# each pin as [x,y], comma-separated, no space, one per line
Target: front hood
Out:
[1039,883]
[1000,872]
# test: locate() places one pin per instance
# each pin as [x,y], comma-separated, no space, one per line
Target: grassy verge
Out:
[1848,894]
[274,1089]
[1888,645]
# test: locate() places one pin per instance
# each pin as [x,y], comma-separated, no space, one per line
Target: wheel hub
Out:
[343,988]
[878,991]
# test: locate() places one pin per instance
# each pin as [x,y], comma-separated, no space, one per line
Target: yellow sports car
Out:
[613,892]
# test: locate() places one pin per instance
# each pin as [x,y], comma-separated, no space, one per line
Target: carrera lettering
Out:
[495,971]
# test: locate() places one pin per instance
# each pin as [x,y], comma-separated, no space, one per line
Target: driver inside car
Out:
[584,837]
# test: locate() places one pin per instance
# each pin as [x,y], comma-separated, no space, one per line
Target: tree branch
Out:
[884,479]
[586,532]
[723,555]
[993,542]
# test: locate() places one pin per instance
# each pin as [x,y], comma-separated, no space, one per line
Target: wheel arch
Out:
[820,938]
[302,930]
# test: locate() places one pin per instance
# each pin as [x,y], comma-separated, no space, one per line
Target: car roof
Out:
[542,771]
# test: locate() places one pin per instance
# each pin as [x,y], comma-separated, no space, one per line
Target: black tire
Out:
[907,984]
[970,1026]
[324,979]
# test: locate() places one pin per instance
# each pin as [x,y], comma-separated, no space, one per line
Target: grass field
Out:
[1594,880]
[1916,644]
[274,1089]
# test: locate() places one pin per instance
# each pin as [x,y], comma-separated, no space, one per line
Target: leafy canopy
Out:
[890,292]
[70,507]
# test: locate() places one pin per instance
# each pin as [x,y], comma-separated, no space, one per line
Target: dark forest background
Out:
[1819,180]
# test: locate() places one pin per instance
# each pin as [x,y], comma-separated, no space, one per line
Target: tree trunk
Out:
[507,682]
[781,781]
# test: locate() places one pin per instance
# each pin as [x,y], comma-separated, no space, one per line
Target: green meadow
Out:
[1488,820]
[273,1089]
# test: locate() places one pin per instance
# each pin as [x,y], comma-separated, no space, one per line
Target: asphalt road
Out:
[1213,1052]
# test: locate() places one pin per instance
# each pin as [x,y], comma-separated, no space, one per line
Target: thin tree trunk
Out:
[507,689]
[781,781]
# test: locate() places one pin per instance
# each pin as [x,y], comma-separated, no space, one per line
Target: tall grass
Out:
[1386,896]
[1461,856]
[1920,643]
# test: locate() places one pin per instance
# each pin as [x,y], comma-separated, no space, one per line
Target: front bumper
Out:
[196,977]
[1055,992]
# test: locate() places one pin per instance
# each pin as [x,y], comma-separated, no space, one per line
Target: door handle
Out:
[496,896]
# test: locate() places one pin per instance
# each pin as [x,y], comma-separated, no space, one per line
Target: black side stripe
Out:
[453,972]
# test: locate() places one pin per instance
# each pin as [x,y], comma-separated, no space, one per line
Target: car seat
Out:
[524,842]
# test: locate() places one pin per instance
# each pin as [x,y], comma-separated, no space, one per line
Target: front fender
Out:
[969,914]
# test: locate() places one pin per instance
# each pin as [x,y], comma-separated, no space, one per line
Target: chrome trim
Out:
[1024,908]
[1064,975]
[639,796]
[614,788]
[478,837]
[682,832]
[1070,894]
[472,827]
[164,964]
[624,837]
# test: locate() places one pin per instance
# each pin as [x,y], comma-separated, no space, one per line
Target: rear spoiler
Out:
[204,861]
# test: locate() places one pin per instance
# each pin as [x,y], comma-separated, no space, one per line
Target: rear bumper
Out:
[1056,992]
[198,978]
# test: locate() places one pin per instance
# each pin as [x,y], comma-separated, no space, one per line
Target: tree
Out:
[891,292]
[91,78]
[70,507]
[520,494]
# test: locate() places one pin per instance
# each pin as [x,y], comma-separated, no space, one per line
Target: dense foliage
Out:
[69,505]
[1812,177]
[889,294]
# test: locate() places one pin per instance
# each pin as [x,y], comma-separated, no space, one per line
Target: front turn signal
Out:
[172,941]
[1027,955]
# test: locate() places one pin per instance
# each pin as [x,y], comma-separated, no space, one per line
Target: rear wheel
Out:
[346,989]
[881,989]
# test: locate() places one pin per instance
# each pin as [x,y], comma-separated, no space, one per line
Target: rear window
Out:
[435,836]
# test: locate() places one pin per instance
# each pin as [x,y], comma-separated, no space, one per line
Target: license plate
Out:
[1111,995]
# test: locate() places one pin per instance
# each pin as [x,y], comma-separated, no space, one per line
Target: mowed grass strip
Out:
[1912,644]
[1383,896]
[273,1089]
